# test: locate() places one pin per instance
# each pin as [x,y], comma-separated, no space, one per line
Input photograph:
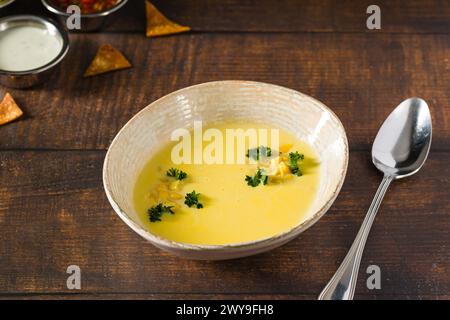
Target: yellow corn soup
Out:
[233,211]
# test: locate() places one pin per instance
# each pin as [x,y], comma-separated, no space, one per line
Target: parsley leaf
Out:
[257,153]
[176,173]
[191,199]
[294,157]
[155,213]
[257,179]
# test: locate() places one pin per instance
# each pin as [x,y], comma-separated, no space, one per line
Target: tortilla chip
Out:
[107,59]
[159,25]
[9,110]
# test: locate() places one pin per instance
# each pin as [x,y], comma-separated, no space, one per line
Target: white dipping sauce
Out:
[25,48]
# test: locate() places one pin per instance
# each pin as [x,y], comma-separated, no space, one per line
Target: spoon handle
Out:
[342,284]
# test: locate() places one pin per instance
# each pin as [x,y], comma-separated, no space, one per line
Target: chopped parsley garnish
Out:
[258,178]
[191,200]
[176,173]
[155,213]
[294,157]
[257,153]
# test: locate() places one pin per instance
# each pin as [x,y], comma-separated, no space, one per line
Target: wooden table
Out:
[54,213]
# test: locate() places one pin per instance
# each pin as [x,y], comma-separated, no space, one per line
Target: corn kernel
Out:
[286,147]
[284,168]
[175,196]
[174,185]
[163,195]
[161,187]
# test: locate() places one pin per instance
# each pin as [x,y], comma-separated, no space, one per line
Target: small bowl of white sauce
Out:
[31,47]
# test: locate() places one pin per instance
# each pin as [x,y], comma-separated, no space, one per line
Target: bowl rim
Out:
[6,3]
[43,21]
[295,230]
[57,10]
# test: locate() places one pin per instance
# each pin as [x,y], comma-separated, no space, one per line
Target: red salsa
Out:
[87,6]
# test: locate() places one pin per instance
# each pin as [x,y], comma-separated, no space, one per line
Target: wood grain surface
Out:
[398,16]
[53,211]
[362,78]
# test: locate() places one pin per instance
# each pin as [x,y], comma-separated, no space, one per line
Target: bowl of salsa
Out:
[93,13]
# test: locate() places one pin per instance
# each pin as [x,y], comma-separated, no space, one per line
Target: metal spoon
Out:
[399,150]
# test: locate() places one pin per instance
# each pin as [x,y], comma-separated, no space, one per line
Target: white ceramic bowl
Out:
[150,129]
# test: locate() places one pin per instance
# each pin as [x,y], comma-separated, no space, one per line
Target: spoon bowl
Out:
[403,141]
